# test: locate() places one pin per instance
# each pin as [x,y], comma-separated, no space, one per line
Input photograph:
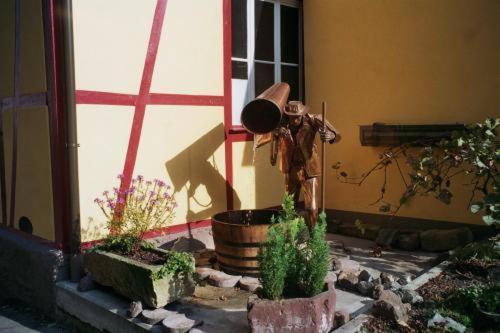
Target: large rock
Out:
[408,242]
[444,240]
[347,280]
[134,279]
[386,237]
[344,264]
[307,315]
[390,306]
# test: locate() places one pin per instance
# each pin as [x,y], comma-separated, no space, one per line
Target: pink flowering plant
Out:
[131,212]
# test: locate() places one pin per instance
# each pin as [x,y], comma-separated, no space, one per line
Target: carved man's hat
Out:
[295,108]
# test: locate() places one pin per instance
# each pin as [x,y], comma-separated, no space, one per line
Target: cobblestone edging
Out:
[362,315]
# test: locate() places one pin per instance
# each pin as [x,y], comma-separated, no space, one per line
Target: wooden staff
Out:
[323,160]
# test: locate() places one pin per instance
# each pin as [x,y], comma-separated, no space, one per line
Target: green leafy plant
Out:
[466,301]
[473,152]
[176,264]
[293,261]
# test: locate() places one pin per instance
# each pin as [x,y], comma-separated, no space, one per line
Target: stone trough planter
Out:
[314,314]
[134,279]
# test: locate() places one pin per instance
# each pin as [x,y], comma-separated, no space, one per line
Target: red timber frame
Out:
[145,97]
[53,98]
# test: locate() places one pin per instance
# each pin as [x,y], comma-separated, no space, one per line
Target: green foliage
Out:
[487,250]
[473,152]
[177,264]
[123,244]
[293,262]
[463,318]
[273,263]
[316,259]
[467,300]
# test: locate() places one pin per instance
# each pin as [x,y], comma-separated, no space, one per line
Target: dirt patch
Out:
[146,257]
[218,298]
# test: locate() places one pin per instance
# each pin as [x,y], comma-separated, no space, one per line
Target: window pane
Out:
[264,30]
[239,69]
[290,75]
[264,77]
[289,34]
[239,28]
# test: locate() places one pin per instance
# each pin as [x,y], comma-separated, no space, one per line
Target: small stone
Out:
[386,237]
[386,278]
[86,283]
[178,323]
[365,276]
[344,264]
[404,280]
[223,280]
[392,286]
[204,272]
[153,317]
[341,317]
[249,283]
[409,296]
[376,281]
[365,288]
[347,280]
[134,309]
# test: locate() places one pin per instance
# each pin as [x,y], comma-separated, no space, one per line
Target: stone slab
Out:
[107,311]
[352,303]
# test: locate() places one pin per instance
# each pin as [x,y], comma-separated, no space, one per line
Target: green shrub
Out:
[293,262]
[316,263]
[487,251]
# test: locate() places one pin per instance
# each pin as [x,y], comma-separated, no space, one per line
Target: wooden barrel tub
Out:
[238,236]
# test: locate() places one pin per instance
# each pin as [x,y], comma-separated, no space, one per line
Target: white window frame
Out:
[250,60]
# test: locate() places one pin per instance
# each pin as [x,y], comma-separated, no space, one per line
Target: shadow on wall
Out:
[269,181]
[195,166]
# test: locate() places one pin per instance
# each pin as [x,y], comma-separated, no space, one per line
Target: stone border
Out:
[29,271]
[361,316]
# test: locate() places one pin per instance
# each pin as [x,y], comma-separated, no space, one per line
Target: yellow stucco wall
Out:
[257,184]
[34,179]
[399,62]
[183,145]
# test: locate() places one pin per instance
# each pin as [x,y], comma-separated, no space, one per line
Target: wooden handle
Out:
[323,159]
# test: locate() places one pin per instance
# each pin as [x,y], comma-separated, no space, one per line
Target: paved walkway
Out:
[19,319]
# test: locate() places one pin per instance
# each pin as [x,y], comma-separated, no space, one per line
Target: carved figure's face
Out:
[295,120]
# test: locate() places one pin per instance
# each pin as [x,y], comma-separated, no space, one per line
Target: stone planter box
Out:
[133,279]
[314,314]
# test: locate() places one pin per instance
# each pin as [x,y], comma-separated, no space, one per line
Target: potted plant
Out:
[127,263]
[293,264]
